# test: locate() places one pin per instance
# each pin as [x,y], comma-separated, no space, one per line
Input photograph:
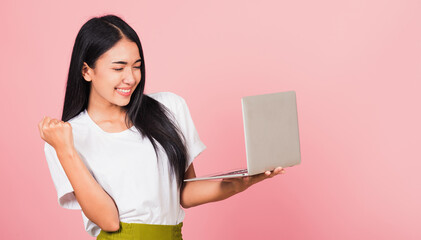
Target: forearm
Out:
[200,192]
[96,204]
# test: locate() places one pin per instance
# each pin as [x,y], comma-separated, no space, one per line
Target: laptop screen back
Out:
[271,131]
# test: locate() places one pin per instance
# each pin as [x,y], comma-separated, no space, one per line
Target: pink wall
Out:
[356,68]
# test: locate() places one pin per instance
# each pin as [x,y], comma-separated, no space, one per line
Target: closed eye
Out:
[120,69]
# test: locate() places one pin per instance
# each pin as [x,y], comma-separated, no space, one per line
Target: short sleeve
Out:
[194,145]
[65,192]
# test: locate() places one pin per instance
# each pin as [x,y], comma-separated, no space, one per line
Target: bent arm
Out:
[96,204]
[199,192]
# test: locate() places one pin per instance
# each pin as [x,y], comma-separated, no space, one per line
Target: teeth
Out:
[122,90]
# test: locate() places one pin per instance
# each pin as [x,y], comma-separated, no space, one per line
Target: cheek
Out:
[106,81]
[110,76]
[138,76]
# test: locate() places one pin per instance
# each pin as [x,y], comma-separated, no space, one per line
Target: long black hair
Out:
[149,116]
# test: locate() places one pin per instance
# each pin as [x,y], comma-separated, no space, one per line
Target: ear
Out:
[87,72]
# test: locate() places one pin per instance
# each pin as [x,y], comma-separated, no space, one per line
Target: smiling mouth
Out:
[124,92]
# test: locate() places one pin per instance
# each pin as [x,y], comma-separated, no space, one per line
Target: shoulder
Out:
[169,99]
[80,126]
[80,120]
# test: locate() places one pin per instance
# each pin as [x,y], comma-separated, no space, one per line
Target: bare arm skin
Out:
[200,192]
[96,204]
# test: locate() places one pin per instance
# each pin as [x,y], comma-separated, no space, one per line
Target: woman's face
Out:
[115,76]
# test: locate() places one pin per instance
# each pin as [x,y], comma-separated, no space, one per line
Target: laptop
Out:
[271,134]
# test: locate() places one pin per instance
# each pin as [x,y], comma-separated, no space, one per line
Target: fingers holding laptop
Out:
[268,174]
[276,171]
[241,184]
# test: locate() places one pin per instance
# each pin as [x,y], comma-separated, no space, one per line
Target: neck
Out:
[102,111]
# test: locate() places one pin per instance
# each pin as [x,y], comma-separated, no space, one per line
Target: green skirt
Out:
[129,231]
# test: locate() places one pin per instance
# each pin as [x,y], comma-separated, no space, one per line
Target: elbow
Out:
[188,203]
[187,198]
[111,226]
[185,206]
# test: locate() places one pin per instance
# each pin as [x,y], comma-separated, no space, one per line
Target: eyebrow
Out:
[123,62]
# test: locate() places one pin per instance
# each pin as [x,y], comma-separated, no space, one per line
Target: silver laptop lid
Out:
[271,131]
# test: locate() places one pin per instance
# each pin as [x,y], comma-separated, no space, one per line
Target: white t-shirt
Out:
[126,167]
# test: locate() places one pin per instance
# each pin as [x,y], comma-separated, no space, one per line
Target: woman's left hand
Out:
[241,184]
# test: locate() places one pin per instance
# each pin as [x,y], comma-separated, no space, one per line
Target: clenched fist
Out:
[56,133]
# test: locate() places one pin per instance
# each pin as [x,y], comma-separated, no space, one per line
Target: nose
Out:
[129,77]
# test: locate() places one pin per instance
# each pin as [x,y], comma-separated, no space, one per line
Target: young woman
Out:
[120,155]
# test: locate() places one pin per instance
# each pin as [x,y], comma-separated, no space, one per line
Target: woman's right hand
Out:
[56,133]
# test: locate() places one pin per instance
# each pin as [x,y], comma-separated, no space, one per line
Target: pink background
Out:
[355,66]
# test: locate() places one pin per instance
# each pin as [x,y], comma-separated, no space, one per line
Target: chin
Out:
[122,103]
